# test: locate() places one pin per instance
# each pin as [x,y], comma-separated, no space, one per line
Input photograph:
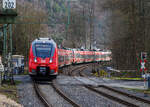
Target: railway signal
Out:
[143,61]
[146,75]
[143,56]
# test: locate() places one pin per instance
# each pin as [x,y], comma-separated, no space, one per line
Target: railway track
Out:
[80,73]
[126,94]
[126,103]
[53,84]
[45,101]
[109,93]
[62,94]
[76,71]
[41,95]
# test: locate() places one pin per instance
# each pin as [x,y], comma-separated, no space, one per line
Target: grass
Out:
[115,78]
[147,91]
[122,78]
[100,73]
[10,90]
[24,73]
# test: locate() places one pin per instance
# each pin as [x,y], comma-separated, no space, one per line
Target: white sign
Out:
[9,4]
[142,65]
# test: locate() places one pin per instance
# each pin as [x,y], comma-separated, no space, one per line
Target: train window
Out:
[43,50]
[61,58]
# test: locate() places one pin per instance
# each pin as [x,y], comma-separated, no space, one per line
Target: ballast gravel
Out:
[74,89]
[125,98]
[138,94]
[119,84]
[83,96]
[26,92]
[53,97]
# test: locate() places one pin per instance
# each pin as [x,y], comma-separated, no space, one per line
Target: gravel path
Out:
[26,92]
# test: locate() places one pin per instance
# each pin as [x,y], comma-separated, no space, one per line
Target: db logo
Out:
[43,61]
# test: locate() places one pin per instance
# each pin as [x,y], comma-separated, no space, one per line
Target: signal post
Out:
[144,70]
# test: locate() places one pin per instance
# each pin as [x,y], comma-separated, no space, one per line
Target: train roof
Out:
[44,40]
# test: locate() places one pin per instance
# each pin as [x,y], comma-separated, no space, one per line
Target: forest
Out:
[121,26]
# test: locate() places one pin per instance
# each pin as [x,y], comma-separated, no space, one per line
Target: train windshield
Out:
[43,50]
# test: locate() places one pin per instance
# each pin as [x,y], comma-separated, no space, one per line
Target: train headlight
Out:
[35,60]
[51,60]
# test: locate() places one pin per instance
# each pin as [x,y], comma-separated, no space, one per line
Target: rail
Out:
[40,95]
[62,94]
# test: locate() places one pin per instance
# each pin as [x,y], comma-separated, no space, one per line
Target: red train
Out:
[45,58]
[72,56]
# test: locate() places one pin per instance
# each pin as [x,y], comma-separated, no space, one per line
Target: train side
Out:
[65,57]
[68,57]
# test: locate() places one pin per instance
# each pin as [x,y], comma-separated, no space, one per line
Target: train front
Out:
[43,58]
